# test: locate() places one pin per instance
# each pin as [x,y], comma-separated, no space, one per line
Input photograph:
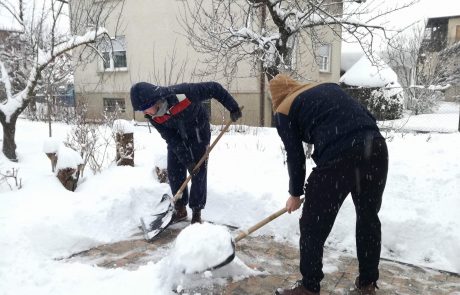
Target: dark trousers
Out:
[361,171]
[177,173]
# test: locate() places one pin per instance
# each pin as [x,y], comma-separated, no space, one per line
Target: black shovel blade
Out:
[226,260]
[154,224]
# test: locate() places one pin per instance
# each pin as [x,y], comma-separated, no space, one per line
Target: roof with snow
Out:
[349,58]
[365,73]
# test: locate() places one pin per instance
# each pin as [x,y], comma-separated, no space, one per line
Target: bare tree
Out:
[37,45]
[402,55]
[228,31]
[422,72]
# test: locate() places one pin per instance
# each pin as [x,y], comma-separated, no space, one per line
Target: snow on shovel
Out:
[155,223]
[203,247]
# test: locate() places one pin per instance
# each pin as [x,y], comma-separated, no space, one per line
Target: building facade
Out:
[148,44]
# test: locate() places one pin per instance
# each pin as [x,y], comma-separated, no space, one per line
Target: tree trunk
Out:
[9,130]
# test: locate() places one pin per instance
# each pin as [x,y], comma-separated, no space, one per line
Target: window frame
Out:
[110,52]
[116,100]
[323,59]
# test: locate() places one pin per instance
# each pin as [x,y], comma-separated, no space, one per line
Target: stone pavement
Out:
[279,263]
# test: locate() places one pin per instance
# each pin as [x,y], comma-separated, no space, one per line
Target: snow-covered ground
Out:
[445,120]
[43,222]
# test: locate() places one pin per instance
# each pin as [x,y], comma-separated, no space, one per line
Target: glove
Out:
[235,114]
[191,169]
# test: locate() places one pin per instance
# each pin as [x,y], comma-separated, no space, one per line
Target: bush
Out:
[383,103]
[386,103]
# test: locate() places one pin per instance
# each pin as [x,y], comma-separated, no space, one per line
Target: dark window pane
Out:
[112,104]
[119,59]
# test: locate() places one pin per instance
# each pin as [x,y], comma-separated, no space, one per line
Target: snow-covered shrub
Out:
[426,101]
[386,103]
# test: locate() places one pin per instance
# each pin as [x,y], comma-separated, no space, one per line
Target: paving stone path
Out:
[279,263]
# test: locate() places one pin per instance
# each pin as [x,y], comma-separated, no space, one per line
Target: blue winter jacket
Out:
[328,118]
[187,121]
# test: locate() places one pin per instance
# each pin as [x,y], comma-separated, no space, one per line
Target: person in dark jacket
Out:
[351,157]
[178,115]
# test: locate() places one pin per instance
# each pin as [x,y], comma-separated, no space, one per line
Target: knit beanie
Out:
[280,87]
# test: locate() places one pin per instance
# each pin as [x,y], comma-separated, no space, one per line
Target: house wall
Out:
[452,30]
[152,32]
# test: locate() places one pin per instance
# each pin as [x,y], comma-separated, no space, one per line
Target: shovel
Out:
[244,234]
[157,222]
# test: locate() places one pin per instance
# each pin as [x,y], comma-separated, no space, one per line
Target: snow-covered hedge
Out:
[385,103]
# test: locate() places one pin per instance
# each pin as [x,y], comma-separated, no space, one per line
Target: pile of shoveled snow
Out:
[201,246]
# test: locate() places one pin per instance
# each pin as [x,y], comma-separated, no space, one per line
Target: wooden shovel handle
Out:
[261,223]
[178,195]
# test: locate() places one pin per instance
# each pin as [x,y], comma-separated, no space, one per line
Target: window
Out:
[114,104]
[113,54]
[323,58]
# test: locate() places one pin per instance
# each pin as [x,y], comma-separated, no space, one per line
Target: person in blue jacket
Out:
[351,157]
[178,115]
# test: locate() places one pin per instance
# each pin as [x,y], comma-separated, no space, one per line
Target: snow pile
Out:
[68,158]
[123,126]
[51,145]
[202,246]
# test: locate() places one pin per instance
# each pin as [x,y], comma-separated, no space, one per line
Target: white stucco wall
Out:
[152,32]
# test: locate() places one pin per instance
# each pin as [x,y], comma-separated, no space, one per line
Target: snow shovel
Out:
[157,222]
[244,234]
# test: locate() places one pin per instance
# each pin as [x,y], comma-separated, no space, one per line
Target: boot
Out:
[180,213]
[365,290]
[298,289]
[196,216]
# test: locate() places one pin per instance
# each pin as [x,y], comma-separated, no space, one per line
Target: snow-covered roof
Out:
[349,58]
[365,73]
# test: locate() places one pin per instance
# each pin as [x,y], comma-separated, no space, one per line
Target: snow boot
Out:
[180,213]
[196,216]
[365,289]
[298,289]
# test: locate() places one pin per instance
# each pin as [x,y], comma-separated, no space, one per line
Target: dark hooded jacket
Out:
[322,115]
[187,121]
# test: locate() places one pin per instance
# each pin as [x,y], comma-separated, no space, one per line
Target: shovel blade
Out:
[218,263]
[154,224]
[224,261]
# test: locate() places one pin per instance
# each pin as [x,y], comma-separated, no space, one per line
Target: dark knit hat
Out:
[144,95]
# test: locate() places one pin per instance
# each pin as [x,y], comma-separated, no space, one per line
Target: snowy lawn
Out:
[43,222]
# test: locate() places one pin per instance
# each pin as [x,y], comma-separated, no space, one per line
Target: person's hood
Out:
[144,95]
[284,90]
[280,87]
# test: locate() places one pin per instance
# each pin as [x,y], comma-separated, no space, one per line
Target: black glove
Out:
[235,114]
[191,169]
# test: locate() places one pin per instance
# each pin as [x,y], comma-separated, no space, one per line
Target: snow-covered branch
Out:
[20,100]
